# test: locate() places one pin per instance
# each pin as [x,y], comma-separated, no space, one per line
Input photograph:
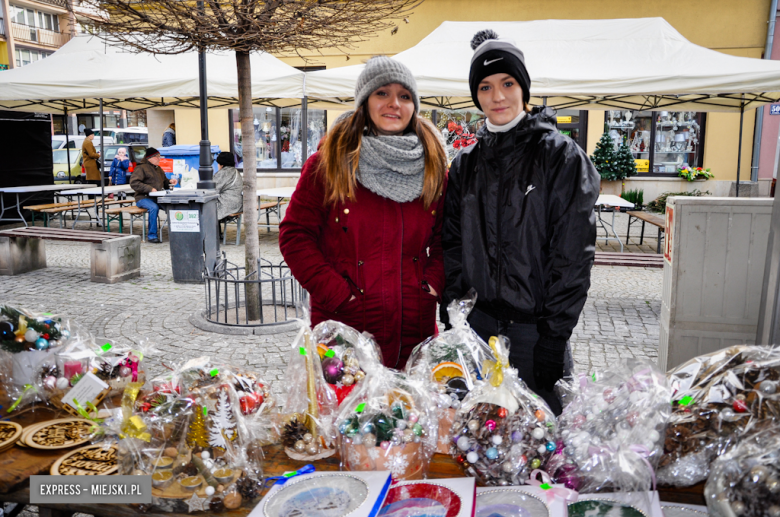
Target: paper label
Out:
[185,221]
[86,390]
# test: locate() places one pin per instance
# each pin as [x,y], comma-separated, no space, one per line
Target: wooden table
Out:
[94,191]
[14,488]
[280,193]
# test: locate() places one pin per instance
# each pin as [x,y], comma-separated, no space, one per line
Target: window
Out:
[458,127]
[136,118]
[574,124]
[34,18]
[278,134]
[661,141]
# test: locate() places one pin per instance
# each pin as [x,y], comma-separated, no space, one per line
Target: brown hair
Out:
[340,154]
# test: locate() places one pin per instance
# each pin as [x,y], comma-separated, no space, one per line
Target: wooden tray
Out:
[175,490]
[92,460]
[64,439]
[9,434]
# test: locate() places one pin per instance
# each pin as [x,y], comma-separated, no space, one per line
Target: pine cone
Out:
[247,487]
[293,431]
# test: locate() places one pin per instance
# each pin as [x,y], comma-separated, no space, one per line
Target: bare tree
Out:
[244,26]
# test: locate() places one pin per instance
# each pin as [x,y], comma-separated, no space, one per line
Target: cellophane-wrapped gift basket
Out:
[503,430]
[452,362]
[340,348]
[717,398]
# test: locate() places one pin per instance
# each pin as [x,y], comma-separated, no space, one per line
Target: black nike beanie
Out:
[496,56]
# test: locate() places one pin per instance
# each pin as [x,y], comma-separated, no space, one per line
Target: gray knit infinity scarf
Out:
[392,166]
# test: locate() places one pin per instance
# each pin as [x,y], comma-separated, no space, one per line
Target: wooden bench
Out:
[39,208]
[114,257]
[135,212]
[232,218]
[269,208]
[646,217]
[74,206]
[628,260]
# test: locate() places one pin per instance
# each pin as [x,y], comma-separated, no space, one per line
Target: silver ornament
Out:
[738,507]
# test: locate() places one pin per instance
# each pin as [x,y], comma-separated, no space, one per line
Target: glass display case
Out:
[661,141]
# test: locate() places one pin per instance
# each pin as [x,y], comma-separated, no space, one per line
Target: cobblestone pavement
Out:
[620,317]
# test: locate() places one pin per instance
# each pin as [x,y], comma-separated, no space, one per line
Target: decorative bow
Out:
[494,369]
[87,414]
[133,365]
[280,480]
[644,453]
[552,491]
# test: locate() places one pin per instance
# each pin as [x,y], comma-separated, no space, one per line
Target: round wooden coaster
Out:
[28,431]
[60,434]
[92,460]
[9,434]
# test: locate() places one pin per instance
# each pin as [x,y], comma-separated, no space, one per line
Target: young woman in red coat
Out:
[362,233]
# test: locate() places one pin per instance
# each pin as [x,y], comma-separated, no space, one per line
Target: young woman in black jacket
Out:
[519,224]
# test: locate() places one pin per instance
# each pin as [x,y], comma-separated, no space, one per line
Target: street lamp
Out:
[205,170]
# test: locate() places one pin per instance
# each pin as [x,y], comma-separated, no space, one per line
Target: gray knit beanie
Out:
[381,71]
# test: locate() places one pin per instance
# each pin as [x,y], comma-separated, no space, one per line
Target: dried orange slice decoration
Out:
[322,349]
[443,372]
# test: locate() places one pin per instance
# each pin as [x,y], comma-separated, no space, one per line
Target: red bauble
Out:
[502,412]
[45,336]
[460,459]
[258,398]
[247,404]
[740,406]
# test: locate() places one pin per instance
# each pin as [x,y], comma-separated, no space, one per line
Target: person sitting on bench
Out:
[230,187]
[148,177]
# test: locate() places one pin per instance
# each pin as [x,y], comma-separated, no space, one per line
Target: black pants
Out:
[522,339]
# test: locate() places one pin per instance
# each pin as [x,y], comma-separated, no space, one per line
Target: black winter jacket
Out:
[519,226]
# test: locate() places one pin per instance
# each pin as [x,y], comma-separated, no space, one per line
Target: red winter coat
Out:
[376,249]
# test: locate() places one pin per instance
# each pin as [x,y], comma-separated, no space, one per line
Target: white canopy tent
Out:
[638,64]
[86,70]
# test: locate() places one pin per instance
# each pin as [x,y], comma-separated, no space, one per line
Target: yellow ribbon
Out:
[27,387]
[22,327]
[494,369]
[133,425]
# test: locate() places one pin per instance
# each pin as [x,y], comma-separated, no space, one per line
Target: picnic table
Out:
[20,191]
[82,193]
[654,219]
[613,201]
[280,193]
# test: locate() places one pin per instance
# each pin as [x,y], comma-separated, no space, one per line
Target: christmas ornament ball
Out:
[210,491]
[50,382]
[62,383]
[300,446]
[738,507]
[348,379]
[332,368]
[30,336]
[312,449]
[774,511]
[41,344]
[6,330]
[125,371]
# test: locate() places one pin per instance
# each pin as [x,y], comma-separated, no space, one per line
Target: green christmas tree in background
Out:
[625,163]
[604,158]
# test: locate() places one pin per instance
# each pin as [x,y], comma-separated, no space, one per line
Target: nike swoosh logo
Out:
[530,188]
[492,61]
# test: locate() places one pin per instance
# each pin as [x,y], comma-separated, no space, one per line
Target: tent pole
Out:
[205,170]
[757,135]
[67,144]
[741,123]
[100,168]
[304,129]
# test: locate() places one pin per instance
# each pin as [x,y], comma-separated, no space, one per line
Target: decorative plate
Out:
[603,508]
[333,495]
[510,503]
[9,434]
[673,510]
[92,460]
[421,500]
[60,434]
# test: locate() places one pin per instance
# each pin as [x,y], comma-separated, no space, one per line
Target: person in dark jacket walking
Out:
[519,225]
[169,135]
[148,177]
[362,231]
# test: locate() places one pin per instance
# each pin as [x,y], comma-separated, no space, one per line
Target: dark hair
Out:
[226,159]
[340,155]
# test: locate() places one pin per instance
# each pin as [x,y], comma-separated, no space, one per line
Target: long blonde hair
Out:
[340,155]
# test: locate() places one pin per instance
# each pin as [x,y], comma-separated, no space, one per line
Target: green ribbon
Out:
[545,486]
[214,372]
[360,407]
[83,412]
[18,401]
[302,350]
[686,400]
[330,353]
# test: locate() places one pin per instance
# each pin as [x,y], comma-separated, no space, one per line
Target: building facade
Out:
[708,140]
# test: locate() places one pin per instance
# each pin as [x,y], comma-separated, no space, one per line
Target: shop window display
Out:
[660,141]
[458,127]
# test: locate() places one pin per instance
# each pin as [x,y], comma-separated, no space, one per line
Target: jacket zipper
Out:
[498,231]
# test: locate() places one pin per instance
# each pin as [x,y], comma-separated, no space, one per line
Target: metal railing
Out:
[40,36]
[281,296]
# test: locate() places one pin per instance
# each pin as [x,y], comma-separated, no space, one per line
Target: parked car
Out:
[125,135]
[136,152]
[74,142]
[60,160]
